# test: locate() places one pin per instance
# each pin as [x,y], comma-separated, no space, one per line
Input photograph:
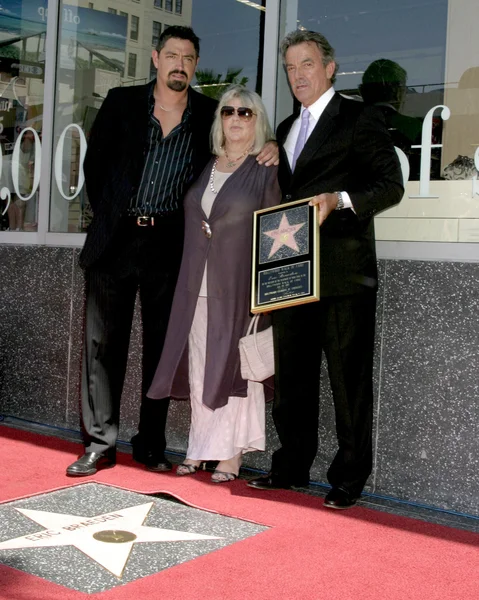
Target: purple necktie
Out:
[301,137]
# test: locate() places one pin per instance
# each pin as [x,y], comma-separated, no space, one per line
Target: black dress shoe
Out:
[158,466]
[339,499]
[273,482]
[89,464]
[148,457]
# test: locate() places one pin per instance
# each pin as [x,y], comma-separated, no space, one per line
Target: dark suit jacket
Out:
[349,150]
[115,158]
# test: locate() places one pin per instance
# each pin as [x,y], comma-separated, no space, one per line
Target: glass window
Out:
[169,5]
[410,59]
[155,38]
[22,70]
[112,11]
[90,5]
[95,53]
[158,3]
[134,27]
[178,6]
[92,46]
[131,64]
[123,14]
[224,26]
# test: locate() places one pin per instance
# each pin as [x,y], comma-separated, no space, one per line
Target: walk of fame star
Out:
[107,538]
[284,235]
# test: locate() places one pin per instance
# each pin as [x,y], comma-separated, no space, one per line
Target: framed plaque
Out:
[285,256]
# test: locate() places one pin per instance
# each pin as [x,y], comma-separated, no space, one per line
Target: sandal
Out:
[187,469]
[222,477]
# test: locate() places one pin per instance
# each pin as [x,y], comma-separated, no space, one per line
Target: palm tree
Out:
[211,84]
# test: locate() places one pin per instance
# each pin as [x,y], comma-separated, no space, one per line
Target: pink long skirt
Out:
[237,427]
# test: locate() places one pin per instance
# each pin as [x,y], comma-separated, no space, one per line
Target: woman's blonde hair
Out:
[249,99]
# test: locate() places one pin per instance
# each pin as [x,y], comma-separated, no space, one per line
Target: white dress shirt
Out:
[315,111]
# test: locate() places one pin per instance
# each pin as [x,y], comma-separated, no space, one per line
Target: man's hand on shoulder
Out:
[269,155]
[326,203]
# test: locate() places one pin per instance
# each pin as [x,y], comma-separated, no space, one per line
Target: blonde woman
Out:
[200,359]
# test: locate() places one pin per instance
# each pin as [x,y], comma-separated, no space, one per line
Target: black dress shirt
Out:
[168,165]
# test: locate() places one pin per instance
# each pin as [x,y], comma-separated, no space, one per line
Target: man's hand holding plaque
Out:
[326,203]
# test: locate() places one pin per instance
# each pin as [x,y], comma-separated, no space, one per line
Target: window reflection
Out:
[131,64]
[232,35]
[91,60]
[134,27]
[22,67]
[384,85]
[411,35]
[109,44]
[156,34]
[412,60]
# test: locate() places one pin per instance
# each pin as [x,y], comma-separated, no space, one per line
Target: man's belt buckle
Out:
[144,221]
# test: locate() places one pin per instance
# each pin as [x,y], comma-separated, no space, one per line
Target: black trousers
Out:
[344,328]
[144,259]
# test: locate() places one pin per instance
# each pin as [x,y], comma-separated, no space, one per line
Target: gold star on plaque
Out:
[284,235]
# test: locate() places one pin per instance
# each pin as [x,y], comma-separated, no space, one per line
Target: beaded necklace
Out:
[212,176]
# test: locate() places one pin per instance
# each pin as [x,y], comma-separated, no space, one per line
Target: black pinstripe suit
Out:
[120,258]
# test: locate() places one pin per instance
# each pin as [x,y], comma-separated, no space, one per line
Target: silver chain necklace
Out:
[166,109]
[232,162]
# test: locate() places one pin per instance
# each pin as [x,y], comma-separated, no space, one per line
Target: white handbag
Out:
[256,352]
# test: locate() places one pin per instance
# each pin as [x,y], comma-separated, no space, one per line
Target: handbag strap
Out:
[253,328]
[253,325]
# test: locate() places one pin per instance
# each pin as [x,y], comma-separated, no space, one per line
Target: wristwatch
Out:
[340,204]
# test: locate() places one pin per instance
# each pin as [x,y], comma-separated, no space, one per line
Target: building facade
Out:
[417,59]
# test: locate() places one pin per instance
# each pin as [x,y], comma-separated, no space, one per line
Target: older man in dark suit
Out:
[340,152]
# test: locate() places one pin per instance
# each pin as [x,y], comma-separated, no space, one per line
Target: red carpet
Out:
[310,553]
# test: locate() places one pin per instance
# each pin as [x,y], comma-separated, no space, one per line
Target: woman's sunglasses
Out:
[244,113]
